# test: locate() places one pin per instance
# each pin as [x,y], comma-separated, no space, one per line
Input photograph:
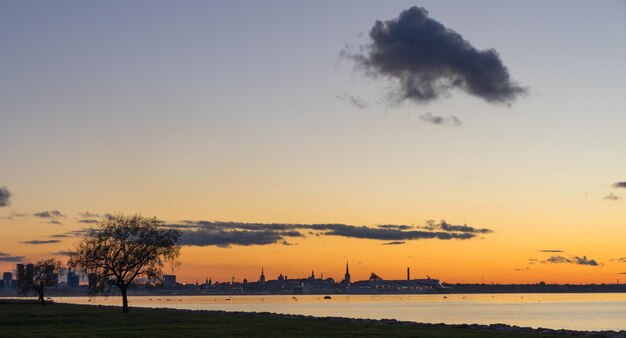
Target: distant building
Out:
[93,282]
[346,277]
[52,278]
[30,272]
[169,281]
[7,279]
[25,274]
[73,280]
[21,273]
[262,277]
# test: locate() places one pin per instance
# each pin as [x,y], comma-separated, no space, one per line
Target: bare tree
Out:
[45,273]
[122,249]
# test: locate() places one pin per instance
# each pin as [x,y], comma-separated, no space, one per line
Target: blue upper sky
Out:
[244,110]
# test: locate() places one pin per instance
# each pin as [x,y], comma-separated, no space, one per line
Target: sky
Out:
[297,136]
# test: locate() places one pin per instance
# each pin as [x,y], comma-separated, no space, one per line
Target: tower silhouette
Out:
[262,277]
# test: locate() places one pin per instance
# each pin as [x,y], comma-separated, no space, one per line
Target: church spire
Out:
[262,277]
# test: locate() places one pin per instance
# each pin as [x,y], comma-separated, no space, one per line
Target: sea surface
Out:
[591,311]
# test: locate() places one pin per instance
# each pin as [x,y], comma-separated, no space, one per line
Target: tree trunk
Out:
[41,297]
[124,298]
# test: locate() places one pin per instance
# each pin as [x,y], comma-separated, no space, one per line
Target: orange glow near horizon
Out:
[499,257]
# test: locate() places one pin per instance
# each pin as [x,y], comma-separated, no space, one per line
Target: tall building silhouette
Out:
[93,282]
[7,279]
[262,277]
[73,280]
[25,274]
[21,274]
[346,277]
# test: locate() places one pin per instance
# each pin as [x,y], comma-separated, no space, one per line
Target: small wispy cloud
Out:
[355,101]
[550,250]
[394,243]
[619,185]
[39,242]
[70,234]
[611,197]
[571,260]
[4,257]
[441,120]
[88,214]
[49,214]
[5,196]
[14,215]
[61,253]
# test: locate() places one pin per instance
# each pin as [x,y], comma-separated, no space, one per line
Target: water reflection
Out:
[570,311]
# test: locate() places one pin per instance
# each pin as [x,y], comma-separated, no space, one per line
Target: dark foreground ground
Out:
[23,318]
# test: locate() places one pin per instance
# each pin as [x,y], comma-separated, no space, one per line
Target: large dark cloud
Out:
[4,257]
[428,60]
[619,185]
[386,234]
[5,196]
[571,260]
[225,234]
[227,238]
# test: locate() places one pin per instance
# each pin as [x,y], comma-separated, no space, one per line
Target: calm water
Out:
[558,311]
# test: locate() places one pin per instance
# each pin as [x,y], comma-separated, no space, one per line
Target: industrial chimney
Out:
[408,273]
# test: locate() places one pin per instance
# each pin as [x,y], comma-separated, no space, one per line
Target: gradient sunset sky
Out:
[257,112]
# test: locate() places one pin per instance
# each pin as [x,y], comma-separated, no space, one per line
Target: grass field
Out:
[63,320]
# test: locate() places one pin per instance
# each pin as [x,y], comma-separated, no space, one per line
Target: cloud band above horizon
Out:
[225,234]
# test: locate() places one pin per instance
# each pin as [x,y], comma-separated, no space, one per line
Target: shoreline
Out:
[469,293]
[496,327]
[487,329]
